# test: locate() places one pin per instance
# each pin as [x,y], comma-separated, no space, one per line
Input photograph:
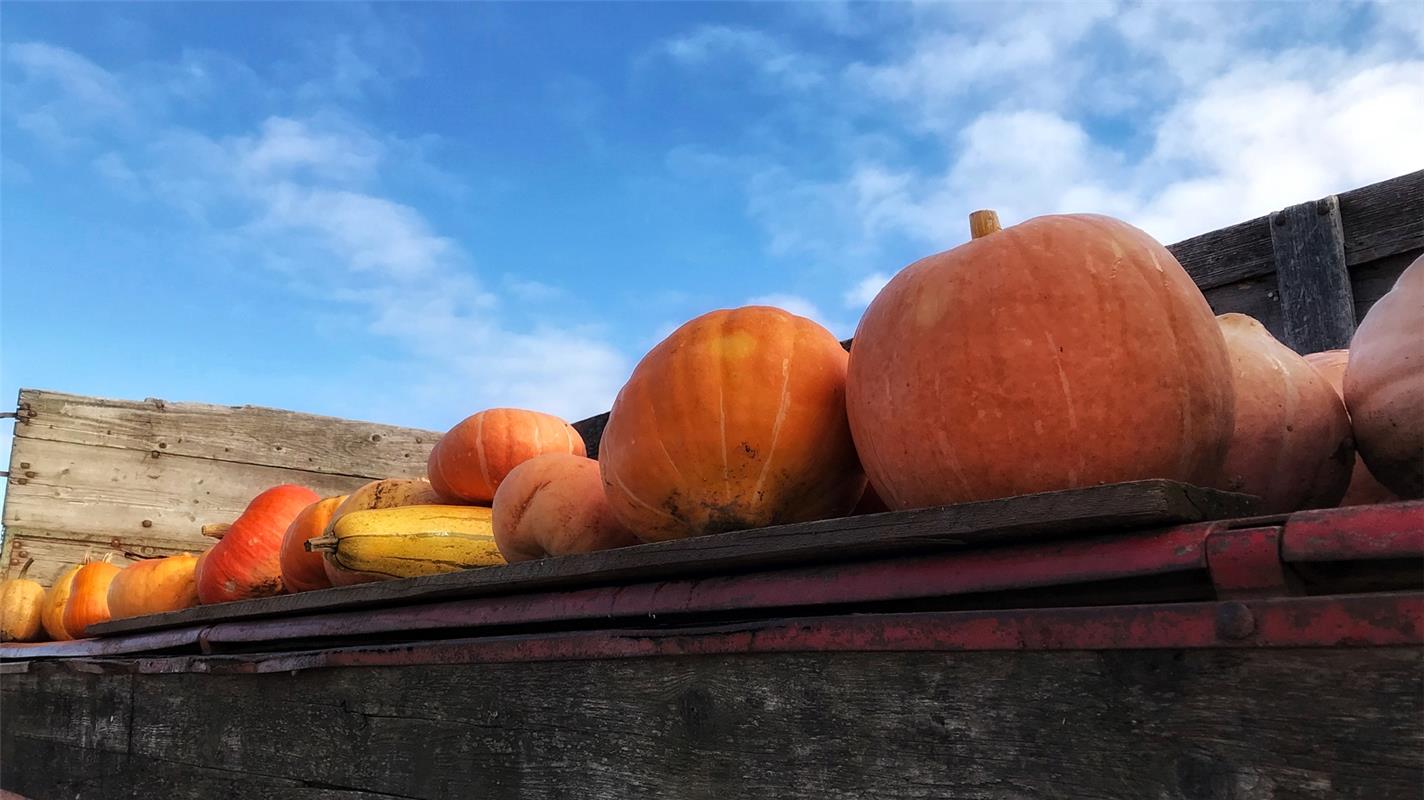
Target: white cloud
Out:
[718,46]
[860,295]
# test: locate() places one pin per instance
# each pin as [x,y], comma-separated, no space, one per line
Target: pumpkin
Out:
[1384,385]
[736,420]
[302,570]
[1291,445]
[553,505]
[55,600]
[1363,486]
[89,596]
[21,607]
[246,561]
[468,463]
[1064,352]
[153,586]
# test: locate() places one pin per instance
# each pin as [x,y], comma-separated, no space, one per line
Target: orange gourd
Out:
[1363,486]
[21,607]
[1291,445]
[89,597]
[736,420]
[1384,385]
[553,505]
[302,571]
[1064,352]
[246,561]
[153,586]
[55,600]
[469,461]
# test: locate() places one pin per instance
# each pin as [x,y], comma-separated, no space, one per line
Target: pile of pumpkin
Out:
[1065,352]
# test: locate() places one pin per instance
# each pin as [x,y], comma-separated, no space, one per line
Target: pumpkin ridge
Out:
[480,450]
[780,418]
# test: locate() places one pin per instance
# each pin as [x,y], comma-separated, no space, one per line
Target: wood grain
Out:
[53,552]
[1317,304]
[1339,723]
[1122,506]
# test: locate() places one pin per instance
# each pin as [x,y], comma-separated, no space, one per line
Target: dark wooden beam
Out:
[1317,305]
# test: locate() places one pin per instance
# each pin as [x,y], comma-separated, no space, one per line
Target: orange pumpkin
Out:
[246,561]
[302,571]
[55,601]
[1063,352]
[736,420]
[553,505]
[469,462]
[153,586]
[1363,486]
[1291,445]
[89,597]
[1384,385]
[21,607]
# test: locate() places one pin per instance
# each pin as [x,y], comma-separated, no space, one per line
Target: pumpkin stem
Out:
[983,222]
[321,543]
[25,569]
[217,530]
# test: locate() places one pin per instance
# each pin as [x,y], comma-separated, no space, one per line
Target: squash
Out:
[89,596]
[153,586]
[21,607]
[737,420]
[1384,385]
[407,542]
[1291,444]
[553,505]
[1064,352]
[55,600]
[302,570]
[468,463]
[246,561]
[1363,486]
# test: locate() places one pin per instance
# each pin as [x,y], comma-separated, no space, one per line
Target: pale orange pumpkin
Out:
[246,561]
[21,607]
[469,461]
[302,571]
[736,420]
[553,505]
[1384,385]
[56,600]
[1291,445]
[153,586]
[1363,486]
[1064,352]
[89,597]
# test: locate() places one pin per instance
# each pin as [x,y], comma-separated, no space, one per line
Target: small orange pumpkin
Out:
[153,586]
[89,597]
[246,561]
[302,571]
[1363,486]
[55,601]
[553,505]
[21,607]
[470,460]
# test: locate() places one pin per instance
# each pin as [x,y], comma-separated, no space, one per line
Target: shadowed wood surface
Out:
[1140,504]
[1338,723]
[1317,303]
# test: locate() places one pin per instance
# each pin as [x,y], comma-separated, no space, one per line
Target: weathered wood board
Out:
[1198,724]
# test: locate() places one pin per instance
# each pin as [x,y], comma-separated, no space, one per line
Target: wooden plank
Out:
[1342,723]
[53,552]
[247,434]
[1369,282]
[138,497]
[1254,297]
[1098,509]
[1317,305]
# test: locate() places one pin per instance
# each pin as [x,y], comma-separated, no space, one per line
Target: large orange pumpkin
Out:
[153,586]
[1291,445]
[55,600]
[553,505]
[89,597]
[1363,486]
[1063,352]
[470,460]
[1384,385]
[302,571]
[246,561]
[736,420]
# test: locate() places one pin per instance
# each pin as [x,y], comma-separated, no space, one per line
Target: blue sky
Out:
[406,213]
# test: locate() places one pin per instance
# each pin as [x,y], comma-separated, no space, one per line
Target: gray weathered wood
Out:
[1317,304]
[1344,723]
[1370,282]
[52,552]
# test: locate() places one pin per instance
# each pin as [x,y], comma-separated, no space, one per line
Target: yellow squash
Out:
[21,603]
[410,541]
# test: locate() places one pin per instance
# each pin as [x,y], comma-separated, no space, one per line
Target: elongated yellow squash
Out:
[407,542]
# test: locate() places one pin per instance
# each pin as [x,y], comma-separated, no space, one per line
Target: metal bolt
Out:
[1322,206]
[22,481]
[148,523]
[29,474]
[153,453]
[24,465]
[1235,621]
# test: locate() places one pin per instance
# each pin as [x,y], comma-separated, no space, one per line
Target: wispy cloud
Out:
[720,47]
